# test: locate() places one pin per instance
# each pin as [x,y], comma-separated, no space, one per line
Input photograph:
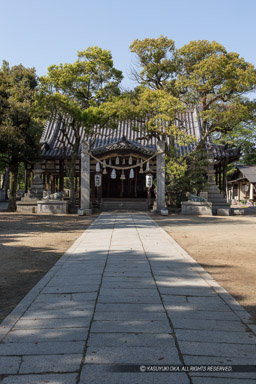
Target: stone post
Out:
[37,185]
[251,191]
[85,178]
[160,174]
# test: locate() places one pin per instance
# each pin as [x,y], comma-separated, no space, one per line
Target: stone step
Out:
[219,202]
[124,205]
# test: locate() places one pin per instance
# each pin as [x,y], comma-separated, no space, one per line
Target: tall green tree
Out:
[216,82]
[243,137]
[156,65]
[201,75]
[20,130]
[77,91]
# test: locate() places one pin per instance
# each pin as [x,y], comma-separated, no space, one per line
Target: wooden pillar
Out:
[56,183]
[122,188]
[52,184]
[220,177]
[149,197]
[48,182]
[99,194]
[160,174]
[61,183]
[135,181]
[216,175]
[225,180]
[76,183]
[108,180]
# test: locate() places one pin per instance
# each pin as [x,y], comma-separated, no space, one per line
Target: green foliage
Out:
[78,90]
[152,111]
[20,127]
[185,174]
[20,131]
[200,75]
[20,177]
[215,80]
[156,59]
[244,137]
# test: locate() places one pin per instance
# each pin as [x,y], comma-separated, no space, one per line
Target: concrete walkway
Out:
[125,294]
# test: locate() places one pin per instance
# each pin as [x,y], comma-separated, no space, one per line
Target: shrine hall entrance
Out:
[123,179]
[124,186]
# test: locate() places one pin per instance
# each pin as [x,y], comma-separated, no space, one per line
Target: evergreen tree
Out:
[78,91]
[19,129]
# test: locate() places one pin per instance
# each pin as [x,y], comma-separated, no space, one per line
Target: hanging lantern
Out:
[141,169]
[98,167]
[123,161]
[149,181]
[110,162]
[104,171]
[130,160]
[138,161]
[97,179]
[104,163]
[147,167]
[113,174]
[122,175]
[117,160]
[131,176]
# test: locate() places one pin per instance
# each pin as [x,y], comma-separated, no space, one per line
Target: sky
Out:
[39,33]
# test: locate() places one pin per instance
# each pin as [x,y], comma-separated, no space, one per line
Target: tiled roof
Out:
[55,145]
[123,145]
[248,171]
[223,153]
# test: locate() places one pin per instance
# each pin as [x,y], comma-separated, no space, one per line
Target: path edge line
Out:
[11,319]
[234,305]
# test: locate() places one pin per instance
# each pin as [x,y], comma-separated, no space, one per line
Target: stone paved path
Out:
[125,293]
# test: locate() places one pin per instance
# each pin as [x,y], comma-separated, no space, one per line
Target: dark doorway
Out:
[128,188]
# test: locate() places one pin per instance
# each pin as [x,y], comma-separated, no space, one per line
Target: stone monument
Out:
[28,203]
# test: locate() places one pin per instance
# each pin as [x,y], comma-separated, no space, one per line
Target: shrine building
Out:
[117,168]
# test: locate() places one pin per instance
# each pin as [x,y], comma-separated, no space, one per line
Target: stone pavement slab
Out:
[224,337]
[135,355]
[95,374]
[129,316]
[41,348]
[148,326]
[125,294]
[51,363]
[66,378]
[131,340]
[77,322]
[46,335]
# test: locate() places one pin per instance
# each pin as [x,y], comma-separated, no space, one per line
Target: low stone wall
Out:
[27,206]
[52,206]
[196,208]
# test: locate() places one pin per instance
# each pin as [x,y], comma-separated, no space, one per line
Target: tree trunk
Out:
[13,187]
[73,192]
[5,185]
